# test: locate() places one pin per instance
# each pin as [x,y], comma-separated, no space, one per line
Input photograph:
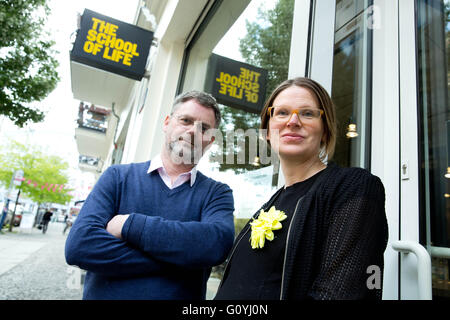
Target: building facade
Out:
[385,63]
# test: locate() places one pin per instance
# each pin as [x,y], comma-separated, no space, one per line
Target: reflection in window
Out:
[259,34]
[433,56]
[352,82]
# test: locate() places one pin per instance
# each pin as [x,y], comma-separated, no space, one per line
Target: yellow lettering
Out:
[119,44]
[239,95]
[221,78]
[223,88]
[110,41]
[96,22]
[105,54]
[251,96]
[97,48]
[226,78]
[244,73]
[102,26]
[88,46]
[238,86]
[127,59]
[119,55]
[101,37]
[128,47]
[231,90]
[235,81]
[92,35]
[112,29]
[255,76]
[133,51]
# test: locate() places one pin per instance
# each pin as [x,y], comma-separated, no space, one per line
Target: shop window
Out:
[433,35]
[257,33]
[351,84]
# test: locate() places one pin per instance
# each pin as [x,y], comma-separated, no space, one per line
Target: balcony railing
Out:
[93,118]
[91,161]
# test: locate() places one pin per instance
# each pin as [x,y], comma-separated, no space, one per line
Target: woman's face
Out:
[295,127]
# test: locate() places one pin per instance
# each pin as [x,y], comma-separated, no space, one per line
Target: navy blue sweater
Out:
[169,243]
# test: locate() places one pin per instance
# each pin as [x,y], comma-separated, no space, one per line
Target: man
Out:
[153,230]
[45,220]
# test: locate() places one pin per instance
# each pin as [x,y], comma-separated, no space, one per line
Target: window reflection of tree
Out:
[344,78]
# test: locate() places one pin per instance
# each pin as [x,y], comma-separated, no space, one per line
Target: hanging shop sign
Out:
[112,45]
[236,84]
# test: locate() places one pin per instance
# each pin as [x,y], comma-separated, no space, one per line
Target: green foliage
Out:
[268,41]
[37,167]
[234,119]
[266,45]
[27,64]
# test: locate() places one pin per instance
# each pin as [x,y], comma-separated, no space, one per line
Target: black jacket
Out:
[47,216]
[336,238]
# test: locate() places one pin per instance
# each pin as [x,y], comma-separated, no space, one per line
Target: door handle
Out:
[423,265]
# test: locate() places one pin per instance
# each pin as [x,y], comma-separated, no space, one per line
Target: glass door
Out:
[433,38]
[387,73]
[351,84]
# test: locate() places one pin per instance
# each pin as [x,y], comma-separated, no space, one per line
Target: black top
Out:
[47,216]
[338,232]
[256,273]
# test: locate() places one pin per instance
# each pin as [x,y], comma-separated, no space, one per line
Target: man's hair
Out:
[202,98]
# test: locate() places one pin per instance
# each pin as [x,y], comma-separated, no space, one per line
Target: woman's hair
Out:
[328,118]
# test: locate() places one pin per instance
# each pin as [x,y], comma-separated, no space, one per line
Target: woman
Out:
[322,234]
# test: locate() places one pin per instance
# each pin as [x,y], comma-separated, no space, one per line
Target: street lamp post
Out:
[11,223]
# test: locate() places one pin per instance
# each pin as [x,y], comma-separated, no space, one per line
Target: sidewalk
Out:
[17,246]
[33,267]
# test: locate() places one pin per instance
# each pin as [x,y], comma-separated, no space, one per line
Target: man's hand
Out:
[115,225]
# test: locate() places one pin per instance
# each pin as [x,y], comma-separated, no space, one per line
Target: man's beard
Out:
[182,151]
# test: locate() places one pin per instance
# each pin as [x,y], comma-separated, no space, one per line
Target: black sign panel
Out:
[112,45]
[236,84]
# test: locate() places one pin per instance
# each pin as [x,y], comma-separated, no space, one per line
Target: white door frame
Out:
[385,156]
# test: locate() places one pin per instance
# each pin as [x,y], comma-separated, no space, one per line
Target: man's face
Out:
[187,135]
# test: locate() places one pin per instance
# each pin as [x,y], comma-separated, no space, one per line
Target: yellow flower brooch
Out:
[262,228]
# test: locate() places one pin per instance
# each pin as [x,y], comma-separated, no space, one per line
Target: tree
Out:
[39,169]
[268,41]
[266,45]
[27,64]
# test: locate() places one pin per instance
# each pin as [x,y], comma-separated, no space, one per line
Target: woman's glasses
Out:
[284,114]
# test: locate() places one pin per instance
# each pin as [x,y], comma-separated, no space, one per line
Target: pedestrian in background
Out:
[318,235]
[68,221]
[153,230]
[45,220]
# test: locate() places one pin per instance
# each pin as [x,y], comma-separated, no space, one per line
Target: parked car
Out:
[17,219]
